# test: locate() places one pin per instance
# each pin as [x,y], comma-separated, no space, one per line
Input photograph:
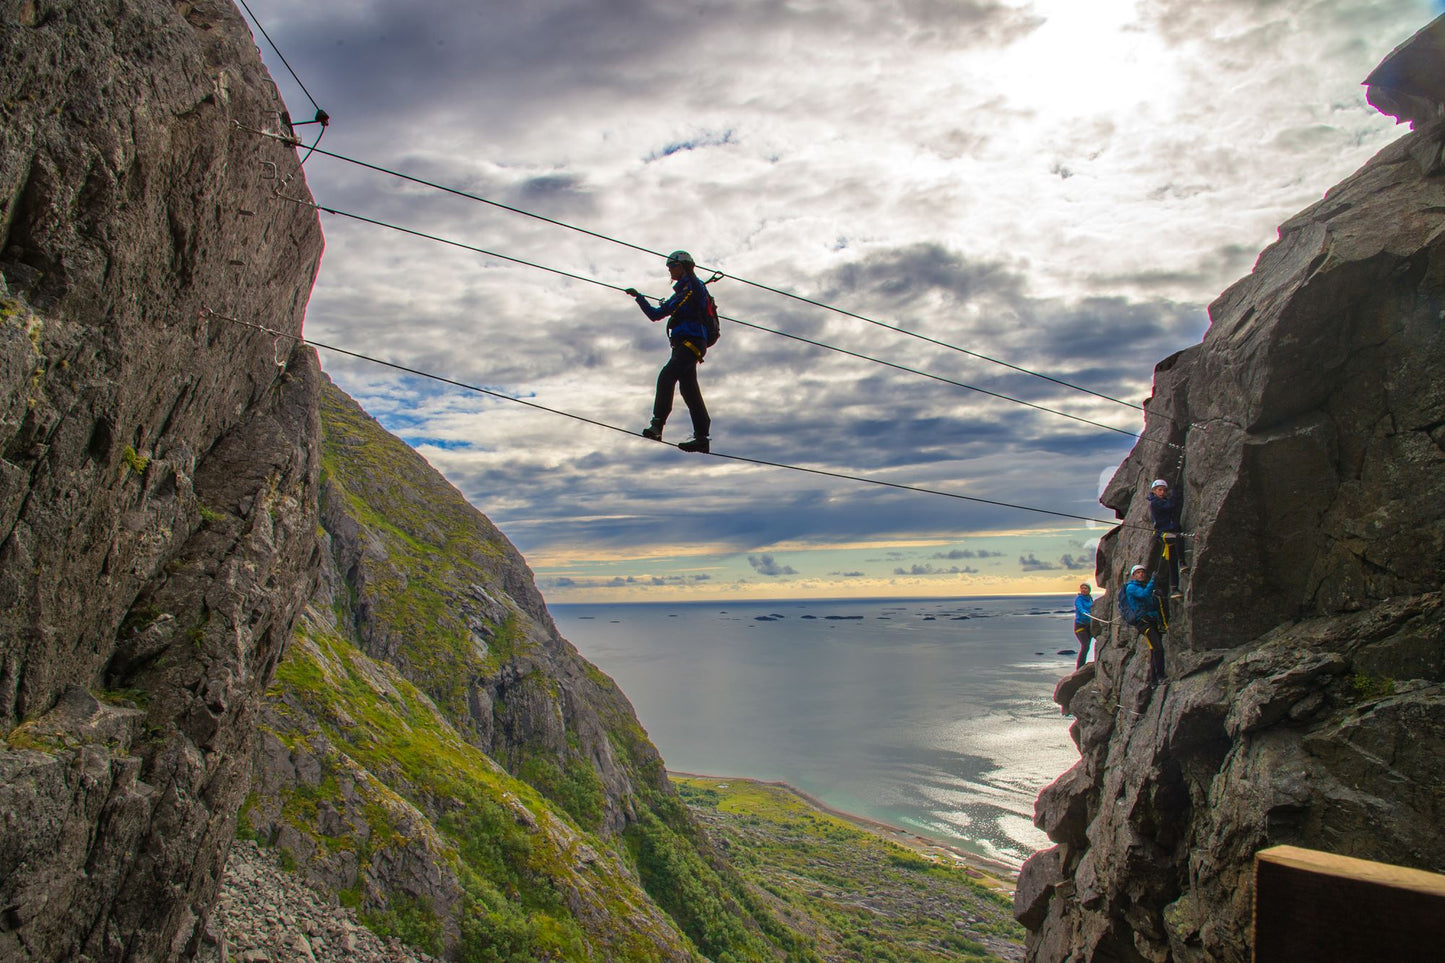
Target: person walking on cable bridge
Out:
[688,331]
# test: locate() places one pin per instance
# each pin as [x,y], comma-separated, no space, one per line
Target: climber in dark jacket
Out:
[687,333]
[1164,508]
[1140,597]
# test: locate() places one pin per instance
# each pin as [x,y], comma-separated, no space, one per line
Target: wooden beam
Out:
[1324,908]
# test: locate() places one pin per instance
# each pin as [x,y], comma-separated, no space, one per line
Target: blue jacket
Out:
[1165,511]
[1083,608]
[1142,597]
[687,309]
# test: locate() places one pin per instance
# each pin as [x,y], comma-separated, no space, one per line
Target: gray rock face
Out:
[1307,669]
[158,465]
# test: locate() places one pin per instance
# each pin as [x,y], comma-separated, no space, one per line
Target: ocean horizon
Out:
[934,715]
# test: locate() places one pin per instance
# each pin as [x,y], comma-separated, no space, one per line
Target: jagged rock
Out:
[157,464]
[1070,684]
[1408,84]
[1035,886]
[1307,675]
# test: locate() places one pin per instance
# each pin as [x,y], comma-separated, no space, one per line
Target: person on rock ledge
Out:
[1164,509]
[687,332]
[1084,622]
[1139,607]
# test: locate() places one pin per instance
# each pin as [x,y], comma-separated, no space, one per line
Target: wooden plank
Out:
[1324,908]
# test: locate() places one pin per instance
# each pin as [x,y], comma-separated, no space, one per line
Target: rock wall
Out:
[1306,661]
[158,463]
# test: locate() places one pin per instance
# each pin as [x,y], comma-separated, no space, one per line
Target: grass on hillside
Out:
[858,896]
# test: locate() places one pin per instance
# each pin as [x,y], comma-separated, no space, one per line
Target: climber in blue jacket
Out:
[687,333]
[1140,608]
[1084,622]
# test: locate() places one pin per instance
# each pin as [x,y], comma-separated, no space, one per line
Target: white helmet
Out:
[680,257]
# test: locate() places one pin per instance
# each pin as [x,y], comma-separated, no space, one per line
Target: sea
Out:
[931,715]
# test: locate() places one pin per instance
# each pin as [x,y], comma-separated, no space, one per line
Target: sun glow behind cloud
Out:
[1088,60]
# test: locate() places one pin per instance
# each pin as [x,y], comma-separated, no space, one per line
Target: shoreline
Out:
[894,834]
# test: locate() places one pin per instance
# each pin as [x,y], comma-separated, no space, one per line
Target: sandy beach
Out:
[982,867]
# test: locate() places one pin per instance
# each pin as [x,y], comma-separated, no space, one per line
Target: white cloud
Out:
[906,160]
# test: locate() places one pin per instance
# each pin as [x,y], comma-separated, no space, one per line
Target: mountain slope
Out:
[434,752]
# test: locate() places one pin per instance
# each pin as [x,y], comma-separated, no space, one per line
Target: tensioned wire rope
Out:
[747,324]
[741,280]
[442,379]
[322,118]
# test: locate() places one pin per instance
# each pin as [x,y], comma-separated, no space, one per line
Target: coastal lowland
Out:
[857,890]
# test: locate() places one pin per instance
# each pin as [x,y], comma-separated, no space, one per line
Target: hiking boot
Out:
[653,431]
[695,444]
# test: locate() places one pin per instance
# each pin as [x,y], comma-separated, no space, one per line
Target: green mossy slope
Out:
[434,753]
[379,779]
[856,895]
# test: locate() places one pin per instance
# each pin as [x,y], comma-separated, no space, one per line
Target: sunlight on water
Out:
[932,715]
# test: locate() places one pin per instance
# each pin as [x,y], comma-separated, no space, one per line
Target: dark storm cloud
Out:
[1030,563]
[554,195]
[494,54]
[903,275]
[956,23]
[509,61]
[1224,265]
[935,570]
[766,565]
[1076,563]
[1342,24]
[959,553]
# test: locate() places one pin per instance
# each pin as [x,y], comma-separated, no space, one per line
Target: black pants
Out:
[1083,634]
[681,372]
[1171,546]
[1154,635]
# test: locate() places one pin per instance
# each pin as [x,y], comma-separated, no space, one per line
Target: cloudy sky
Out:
[1060,184]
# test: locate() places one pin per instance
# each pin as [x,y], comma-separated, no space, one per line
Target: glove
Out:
[632,293]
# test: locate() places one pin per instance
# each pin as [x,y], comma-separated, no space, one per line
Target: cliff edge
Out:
[1305,703]
[158,462]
